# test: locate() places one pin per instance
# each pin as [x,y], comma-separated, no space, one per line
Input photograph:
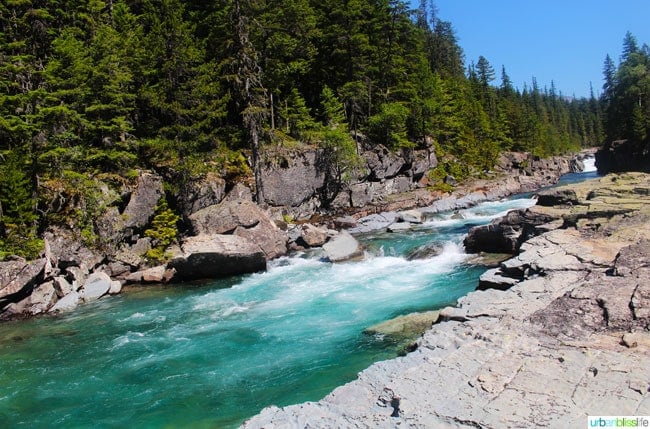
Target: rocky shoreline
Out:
[561,334]
[228,234]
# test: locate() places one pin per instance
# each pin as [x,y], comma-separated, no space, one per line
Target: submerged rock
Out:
[407,327]
[425,252]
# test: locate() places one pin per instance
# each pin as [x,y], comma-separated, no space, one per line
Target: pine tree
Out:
[630,46]
[250,93]
[485,71]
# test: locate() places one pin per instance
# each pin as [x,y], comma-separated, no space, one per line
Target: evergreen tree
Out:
[249,91]
[184,87]
[485,71]
[507,88]
[630,46]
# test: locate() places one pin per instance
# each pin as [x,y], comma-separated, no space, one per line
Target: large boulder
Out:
[42,298]
[343,247]
[506,234]
[97,285]
[67,303]
[18,278]
[62,286]
[557,197]
[245,219]
[208,256]
[411,216]
[313,236]
[142,204]
[224,218]
[361,194]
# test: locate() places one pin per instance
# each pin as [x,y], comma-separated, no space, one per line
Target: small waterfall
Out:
[590,164]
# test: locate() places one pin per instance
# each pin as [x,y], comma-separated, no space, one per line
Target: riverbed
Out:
[212,354]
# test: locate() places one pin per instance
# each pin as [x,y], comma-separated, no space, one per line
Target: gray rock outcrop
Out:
[302,183]
[293,178]
[142,204]
[18,278]
[201,192]
[245,219]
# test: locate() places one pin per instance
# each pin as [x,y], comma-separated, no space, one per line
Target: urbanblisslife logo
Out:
[619,421]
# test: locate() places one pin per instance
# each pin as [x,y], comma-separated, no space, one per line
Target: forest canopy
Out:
[109,87]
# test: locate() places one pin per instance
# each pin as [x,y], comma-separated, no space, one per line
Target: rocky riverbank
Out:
[568,337]
[228,234]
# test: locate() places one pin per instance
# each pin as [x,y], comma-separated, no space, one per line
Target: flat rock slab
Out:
[408,326]
[570,339]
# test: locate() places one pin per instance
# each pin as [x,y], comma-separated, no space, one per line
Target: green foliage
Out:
[16,200]
[626,93]
[28,248]
[388,127]
[297,117]
[17,210]
[186,87]
[163,231]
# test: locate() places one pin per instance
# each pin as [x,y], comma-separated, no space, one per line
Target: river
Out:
[209,355]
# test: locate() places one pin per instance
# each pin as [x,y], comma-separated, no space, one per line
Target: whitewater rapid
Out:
[213,354]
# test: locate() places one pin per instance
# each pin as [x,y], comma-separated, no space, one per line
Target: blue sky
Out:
[564,41]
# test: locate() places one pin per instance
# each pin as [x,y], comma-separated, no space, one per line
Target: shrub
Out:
[163,231]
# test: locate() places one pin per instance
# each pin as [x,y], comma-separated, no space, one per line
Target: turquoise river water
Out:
[211,355]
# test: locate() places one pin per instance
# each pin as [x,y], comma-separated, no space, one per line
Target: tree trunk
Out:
[251,93]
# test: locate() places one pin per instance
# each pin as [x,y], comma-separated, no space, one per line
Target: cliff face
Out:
[303,182]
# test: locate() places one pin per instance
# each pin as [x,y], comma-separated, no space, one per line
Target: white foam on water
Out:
[590,164]
[127,338]
[483,212]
